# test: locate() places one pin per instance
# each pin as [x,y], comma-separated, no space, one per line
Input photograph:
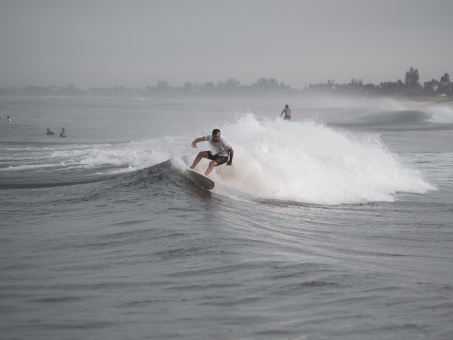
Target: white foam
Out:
[309,162]
[133,155]
[442,114]
[27,167]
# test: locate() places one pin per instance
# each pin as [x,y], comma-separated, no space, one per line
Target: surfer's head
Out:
[216,135]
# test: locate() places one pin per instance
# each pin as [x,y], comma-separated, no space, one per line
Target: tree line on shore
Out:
[410,87]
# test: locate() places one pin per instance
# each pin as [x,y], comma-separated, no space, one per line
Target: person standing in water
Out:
[63,133]
[287,112]
[221,150]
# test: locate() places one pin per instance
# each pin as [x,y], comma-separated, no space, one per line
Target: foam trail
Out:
[309,162]
[121,157]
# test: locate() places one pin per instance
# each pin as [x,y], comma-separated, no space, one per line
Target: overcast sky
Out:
[132,43]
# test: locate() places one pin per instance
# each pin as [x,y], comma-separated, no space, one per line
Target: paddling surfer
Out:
[221,150]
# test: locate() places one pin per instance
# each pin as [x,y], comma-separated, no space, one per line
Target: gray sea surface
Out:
[336,225]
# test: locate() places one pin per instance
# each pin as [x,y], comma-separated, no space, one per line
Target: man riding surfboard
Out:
[220,151]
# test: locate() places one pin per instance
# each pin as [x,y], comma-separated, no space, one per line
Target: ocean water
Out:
[336,225]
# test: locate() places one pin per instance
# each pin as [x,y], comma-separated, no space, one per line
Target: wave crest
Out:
[310,162]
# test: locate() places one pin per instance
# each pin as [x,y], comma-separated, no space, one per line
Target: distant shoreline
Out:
[275,94]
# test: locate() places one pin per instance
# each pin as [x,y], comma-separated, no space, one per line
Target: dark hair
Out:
[215,131]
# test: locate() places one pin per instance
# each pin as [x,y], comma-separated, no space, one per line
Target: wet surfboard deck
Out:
[201,180]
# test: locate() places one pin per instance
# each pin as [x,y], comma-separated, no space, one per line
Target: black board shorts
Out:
[218,159]
[287,118]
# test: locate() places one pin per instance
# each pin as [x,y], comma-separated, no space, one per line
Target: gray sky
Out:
[136,43]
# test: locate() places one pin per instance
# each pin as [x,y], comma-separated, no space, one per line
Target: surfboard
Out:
[201,180]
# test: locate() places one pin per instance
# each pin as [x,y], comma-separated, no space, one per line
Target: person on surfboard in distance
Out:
[287,112]
[221,150]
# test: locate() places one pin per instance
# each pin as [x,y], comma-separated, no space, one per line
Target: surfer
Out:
[221,150]
[287,112]
[49,132]
[63,133]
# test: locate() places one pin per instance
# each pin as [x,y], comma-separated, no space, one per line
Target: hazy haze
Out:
[137,43]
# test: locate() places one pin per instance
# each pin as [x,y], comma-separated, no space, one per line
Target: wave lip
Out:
[404,120]
[404,117]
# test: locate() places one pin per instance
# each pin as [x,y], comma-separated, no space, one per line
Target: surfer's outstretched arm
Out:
[200,139]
